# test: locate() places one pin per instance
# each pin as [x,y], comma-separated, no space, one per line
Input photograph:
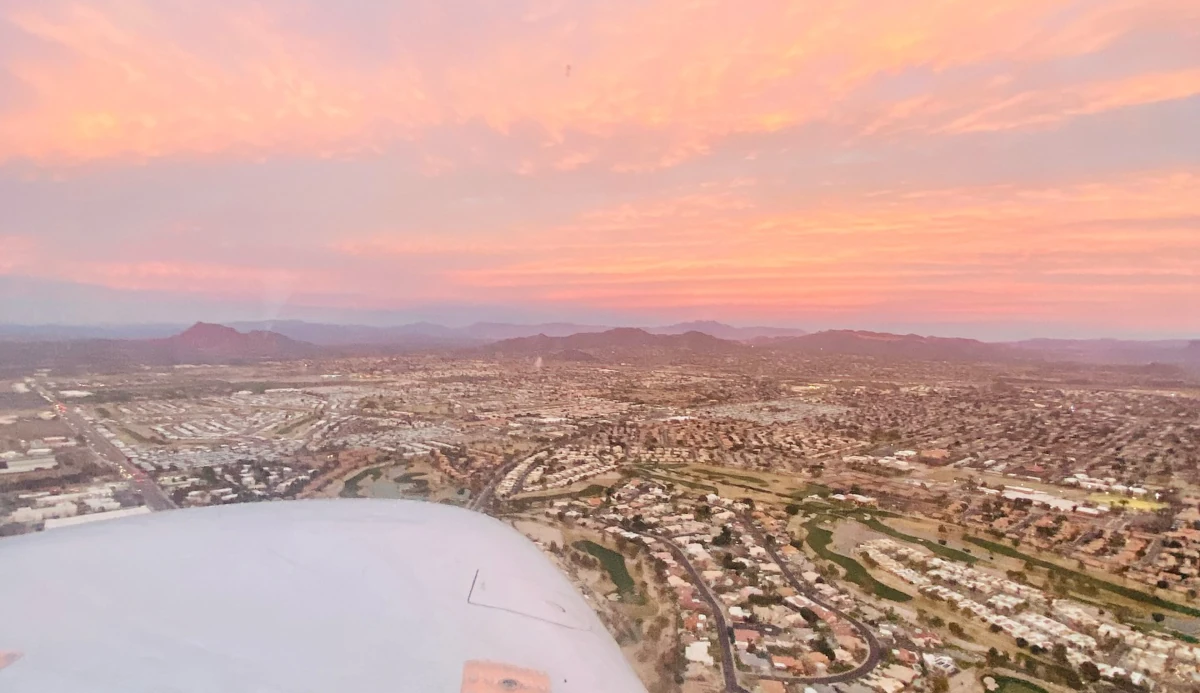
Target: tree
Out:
[994,658]
[956,630]
[941,684]
[792,509]
[1089,671]
[1158,617]
[1060,653]
[820,645]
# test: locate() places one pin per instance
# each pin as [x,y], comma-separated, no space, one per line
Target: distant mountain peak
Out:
[210,338]
[207,332]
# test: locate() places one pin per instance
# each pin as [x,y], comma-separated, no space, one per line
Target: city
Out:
[599,346]
[741,518]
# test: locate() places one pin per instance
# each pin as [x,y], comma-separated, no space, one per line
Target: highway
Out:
[874,650]
[728,665]
[156,499]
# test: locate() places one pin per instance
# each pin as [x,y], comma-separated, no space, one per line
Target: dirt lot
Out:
[27,429]
[12,401]
[539,531]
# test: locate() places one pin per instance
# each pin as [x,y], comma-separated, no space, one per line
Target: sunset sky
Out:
[994,169]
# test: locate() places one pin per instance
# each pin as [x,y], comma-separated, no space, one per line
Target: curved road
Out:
[874,649]
[728,666]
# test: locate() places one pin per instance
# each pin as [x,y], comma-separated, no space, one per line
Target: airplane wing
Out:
[336,596]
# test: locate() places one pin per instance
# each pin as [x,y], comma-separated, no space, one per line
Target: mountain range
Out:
[248,342]
[626,343]
[618,343]
[416,335]
[883,344]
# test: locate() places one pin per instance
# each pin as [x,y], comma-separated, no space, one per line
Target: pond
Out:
[613,562]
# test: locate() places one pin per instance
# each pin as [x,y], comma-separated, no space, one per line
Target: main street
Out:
[153,495]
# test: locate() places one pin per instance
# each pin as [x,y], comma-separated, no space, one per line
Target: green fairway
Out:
[943,551]
[680,482]
[819,539]
[351,488]
[1127,592]
[717,476]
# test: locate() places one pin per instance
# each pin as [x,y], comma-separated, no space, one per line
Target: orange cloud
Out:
[1013,248]
[136,79]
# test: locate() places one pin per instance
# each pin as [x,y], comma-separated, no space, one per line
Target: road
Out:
[728,665]
[1030,517]
[874,650]
[481,502]
[156,499]
[520,482]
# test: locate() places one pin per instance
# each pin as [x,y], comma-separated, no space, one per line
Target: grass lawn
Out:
[1140,504]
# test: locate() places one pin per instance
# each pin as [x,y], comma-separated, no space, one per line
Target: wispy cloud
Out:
[928,160]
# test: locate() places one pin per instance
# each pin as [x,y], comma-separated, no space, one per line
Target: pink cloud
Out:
[134,80]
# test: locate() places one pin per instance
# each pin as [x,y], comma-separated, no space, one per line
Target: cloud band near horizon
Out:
[1020,163]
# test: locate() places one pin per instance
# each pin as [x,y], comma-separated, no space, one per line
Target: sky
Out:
[1002,169]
